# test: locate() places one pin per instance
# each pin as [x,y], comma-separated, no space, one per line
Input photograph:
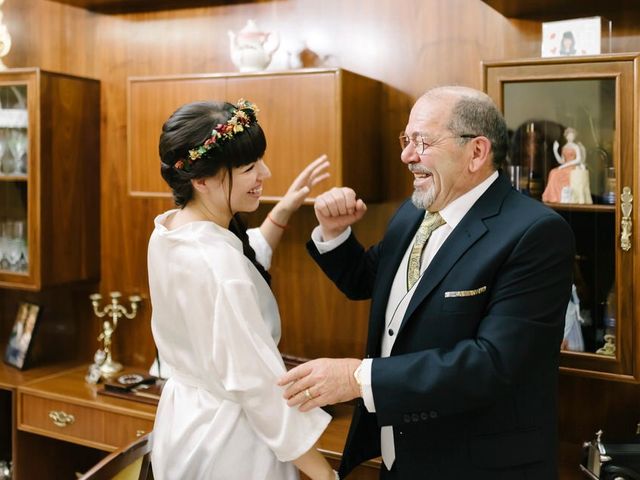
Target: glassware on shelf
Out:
[7,163]
[609,195]
[17,142]
[4,241]
[519,176]
[14,255]
[3,147]
[532,159]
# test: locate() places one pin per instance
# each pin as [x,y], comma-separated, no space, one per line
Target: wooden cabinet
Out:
[124,6]
[304,114]
[51,420]
[598,98]
[10,380]
[66,408]
[559,9]
[49,179]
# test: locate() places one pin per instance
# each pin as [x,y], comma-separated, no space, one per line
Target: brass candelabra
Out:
[113,312]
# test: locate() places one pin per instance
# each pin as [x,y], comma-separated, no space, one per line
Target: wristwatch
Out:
[356,375]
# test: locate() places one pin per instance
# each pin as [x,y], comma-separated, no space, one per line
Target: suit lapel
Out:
[467,232]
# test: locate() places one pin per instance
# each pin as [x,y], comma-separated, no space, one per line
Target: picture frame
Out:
[22,335]
[575,37]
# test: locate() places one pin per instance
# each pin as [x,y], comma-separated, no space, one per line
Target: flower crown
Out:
[243,116]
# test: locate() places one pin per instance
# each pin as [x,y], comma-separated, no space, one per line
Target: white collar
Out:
[456,210]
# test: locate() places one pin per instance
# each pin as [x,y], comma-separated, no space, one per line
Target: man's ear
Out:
[481,154]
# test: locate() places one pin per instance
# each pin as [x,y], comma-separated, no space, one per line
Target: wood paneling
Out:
[150,102]
[70,203]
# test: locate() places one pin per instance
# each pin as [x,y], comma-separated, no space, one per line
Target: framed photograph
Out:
[21,338]
[579,36]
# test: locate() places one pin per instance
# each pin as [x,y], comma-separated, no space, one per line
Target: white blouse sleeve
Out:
[261,247]
[249,365]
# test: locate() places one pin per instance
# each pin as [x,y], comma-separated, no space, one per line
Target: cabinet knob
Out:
[140,433]
[626,206]
[61,418]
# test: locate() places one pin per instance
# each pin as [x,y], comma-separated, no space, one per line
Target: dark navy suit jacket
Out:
[470,386]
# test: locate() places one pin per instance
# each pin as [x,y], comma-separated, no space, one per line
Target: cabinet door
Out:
[19,242]
[304,114]
[300,116]
[573,146]
[151,102]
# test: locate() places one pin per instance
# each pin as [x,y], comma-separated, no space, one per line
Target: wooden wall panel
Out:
[409,46]
[266,93]
[158,99]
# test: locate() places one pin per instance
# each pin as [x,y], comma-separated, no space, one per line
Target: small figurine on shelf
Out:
[5,39]
[569,183]
[572,322]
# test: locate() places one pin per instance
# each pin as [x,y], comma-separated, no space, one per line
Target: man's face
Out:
[440,172]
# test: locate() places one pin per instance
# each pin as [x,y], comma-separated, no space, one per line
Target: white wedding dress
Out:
[216,325]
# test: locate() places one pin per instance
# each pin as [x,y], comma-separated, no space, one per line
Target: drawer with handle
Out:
[62,420]
[124,429]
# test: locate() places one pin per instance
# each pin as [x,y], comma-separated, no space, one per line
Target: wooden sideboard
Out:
[60,425]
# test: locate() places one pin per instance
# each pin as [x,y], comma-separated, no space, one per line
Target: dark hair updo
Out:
[188,128]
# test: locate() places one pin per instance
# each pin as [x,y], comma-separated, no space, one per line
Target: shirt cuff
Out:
[261,247]
[324,247]
[365,382]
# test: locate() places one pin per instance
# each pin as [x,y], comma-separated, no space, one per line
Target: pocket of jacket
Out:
[507,449]
[465,301]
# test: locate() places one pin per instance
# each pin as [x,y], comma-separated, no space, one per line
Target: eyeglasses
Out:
[421,145]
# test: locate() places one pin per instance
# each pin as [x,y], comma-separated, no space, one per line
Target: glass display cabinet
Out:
[49,178]
[573,125]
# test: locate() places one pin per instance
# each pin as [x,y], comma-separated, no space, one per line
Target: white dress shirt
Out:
[399,297]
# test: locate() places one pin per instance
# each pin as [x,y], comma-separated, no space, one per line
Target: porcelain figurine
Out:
[252,49]
[569,182]
[5,39]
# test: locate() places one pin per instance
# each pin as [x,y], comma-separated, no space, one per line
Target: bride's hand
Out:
[299,189]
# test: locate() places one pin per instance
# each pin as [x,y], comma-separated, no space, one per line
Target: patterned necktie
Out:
[429,224]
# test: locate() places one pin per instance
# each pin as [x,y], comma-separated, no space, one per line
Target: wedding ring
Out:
[307,394]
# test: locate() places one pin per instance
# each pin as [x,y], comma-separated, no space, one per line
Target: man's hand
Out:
[337,209]
[320,382]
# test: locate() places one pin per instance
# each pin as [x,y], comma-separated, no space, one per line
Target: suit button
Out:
[407,418]
[415,417]
[424,415]
[433,414]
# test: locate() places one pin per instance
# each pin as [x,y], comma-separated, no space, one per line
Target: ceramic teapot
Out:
[252,49]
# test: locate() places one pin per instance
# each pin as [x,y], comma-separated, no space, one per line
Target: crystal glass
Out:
[16,245]
[18,146]
[4,242]
[7,162]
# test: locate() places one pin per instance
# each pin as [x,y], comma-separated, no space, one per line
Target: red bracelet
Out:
[279,225]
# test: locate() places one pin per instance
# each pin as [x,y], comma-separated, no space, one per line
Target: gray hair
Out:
[475,113]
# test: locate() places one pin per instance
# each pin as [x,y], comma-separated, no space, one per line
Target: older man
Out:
[469,287]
